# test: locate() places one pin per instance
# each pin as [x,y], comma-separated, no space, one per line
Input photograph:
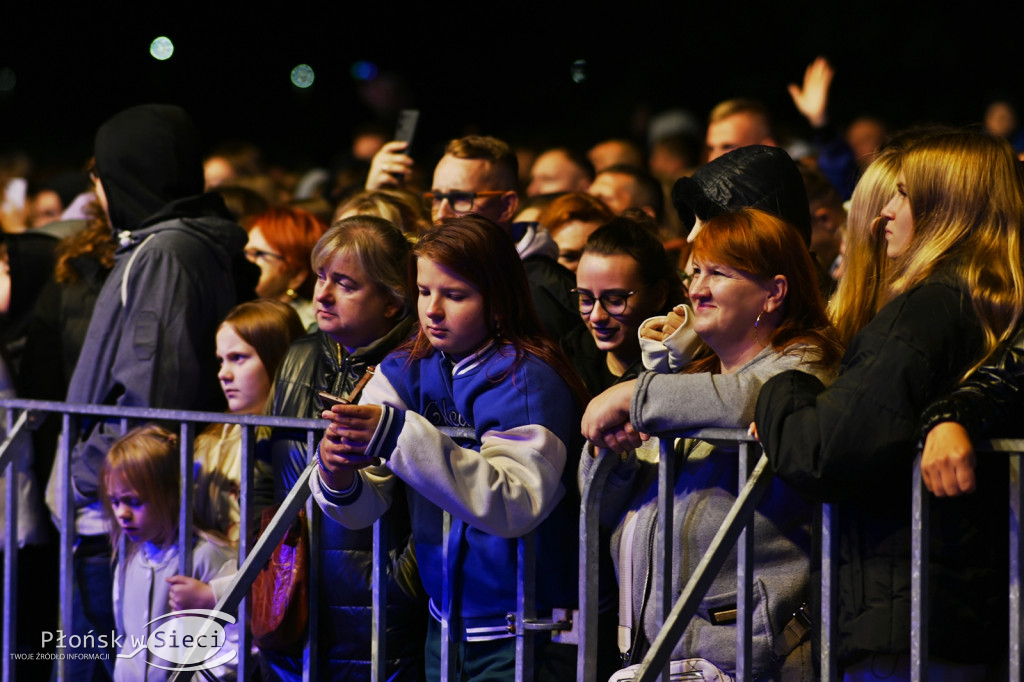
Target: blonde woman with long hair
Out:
[954,290]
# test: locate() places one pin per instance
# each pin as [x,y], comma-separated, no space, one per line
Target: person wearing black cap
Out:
[749,177]
[757,176]
[151,338]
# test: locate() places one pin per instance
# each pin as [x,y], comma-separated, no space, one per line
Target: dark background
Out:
[501,69]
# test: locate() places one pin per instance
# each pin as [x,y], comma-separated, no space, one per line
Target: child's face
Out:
[133,514]
[243,378]
[451,310]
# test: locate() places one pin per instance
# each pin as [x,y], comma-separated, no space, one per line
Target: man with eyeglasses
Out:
[478,174]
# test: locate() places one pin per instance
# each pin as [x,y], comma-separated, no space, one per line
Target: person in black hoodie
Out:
[151,338]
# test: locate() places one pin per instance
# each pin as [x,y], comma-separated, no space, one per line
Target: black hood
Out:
[759,177]
[147,157]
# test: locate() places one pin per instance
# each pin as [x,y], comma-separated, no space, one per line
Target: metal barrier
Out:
[738,526]
[254,558]
[919,563]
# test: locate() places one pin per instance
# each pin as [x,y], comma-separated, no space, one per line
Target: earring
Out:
[757,322]
[292,294]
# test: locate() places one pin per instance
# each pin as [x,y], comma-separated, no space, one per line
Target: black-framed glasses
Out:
[256,255]
[461,202]
[613,302]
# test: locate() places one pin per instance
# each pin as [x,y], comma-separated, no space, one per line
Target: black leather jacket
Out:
[313,363]
[989,402]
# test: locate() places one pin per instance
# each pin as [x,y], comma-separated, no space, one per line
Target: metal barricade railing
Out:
[919,562]
[737,528]
[255,557]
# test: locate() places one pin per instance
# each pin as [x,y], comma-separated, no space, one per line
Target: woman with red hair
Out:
[281,240]
[757,309]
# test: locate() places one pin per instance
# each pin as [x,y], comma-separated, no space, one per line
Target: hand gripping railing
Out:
[919,563]
[233,599]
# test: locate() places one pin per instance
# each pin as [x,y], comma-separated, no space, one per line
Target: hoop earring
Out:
[757,322]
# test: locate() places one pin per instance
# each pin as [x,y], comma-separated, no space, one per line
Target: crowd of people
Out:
[478,339]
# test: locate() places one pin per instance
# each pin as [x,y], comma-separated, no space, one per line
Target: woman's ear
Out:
[297,279]
[777,288]
[393,309]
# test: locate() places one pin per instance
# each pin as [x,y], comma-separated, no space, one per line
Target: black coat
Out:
[854,444]
[314,363]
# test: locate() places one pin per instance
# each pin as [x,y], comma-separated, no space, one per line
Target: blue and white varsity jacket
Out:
[511,479]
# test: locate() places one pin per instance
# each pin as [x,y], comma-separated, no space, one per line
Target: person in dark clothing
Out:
[478,174]
[362,314]
[151,337]
[955,220]
[624,277]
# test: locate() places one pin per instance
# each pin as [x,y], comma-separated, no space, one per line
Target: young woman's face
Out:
[451,310]
[276,278]
[899,231]
[726,303]
[612,278]
[133,514]
[349,306]
[243,378]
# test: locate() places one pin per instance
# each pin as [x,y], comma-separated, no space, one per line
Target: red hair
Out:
[763,245]
[291,232]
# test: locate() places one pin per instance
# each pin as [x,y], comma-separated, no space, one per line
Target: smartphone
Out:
[406,128]
[329,400]
[404,132]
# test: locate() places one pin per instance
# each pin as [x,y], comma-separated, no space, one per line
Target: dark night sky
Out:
[503,70]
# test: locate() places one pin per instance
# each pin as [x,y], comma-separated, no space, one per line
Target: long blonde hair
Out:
[967,203]
[862,287]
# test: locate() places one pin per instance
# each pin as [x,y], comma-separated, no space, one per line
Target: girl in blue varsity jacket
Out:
[479,415]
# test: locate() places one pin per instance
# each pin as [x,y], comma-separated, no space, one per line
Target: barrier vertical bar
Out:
[310,660]
[248,463]
[447,657]
[663,536]
[918,577]
[586,655]
[526,593]
[744,578]
[379,619]
[1016,670]
[11,544]
[186,433]
[69,434]
[829,593]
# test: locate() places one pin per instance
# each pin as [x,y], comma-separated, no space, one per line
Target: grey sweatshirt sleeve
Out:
[672,402]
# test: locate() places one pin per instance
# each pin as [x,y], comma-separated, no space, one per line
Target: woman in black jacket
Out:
[362,314]
[955,289]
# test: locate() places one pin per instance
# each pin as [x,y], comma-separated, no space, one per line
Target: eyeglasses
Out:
[613,302]
[461,202]
[256,255]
